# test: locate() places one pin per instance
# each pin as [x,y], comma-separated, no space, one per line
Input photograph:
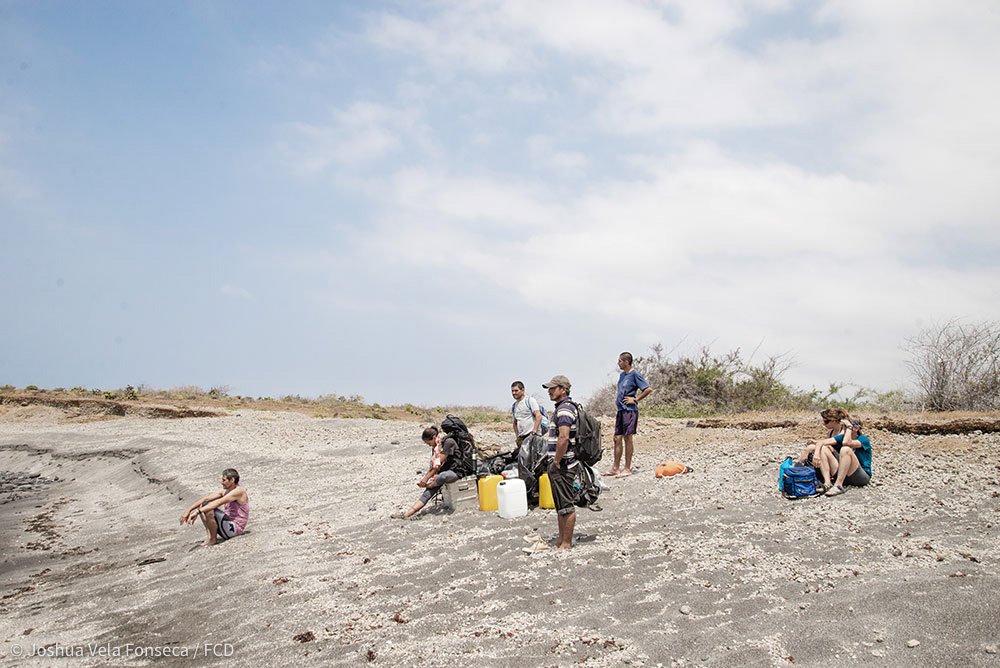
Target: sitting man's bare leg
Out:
[414,509]
[211,527]
[433,483]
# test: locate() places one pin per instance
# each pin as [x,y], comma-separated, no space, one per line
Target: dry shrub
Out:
[957,365]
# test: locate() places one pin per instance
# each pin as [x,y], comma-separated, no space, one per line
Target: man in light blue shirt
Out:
[632,388]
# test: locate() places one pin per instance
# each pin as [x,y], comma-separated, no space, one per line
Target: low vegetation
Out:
[711,384]
[955,367]
[330,405]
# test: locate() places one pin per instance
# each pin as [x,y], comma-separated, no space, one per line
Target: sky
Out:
[422,202]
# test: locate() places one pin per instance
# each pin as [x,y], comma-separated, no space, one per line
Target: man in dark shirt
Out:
[446,466]
[562,448]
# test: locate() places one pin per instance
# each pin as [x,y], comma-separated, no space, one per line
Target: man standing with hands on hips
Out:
[562,449]
[632,388]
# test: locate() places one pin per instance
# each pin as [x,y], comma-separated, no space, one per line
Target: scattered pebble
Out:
[685,610]
[913,643]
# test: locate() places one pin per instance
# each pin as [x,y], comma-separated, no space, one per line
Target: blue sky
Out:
[422,202]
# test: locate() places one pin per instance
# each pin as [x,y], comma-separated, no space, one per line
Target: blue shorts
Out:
[626,423]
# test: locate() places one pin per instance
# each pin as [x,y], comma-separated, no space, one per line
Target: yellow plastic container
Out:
[488,492]
[545,499]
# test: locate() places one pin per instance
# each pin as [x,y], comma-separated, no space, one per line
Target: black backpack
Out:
[588,437]
[465,462]
[589,490]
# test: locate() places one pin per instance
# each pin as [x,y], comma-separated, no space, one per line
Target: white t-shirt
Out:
[524,413]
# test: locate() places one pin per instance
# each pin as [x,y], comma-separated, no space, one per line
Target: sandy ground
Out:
[711,568]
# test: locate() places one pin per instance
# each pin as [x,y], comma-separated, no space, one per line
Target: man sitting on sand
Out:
[222,524]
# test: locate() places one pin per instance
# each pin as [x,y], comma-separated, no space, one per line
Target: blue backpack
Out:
[544,426]
[796,482]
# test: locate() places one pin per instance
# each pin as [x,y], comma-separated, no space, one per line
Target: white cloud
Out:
[823,254]
[544,150]
[362,133]
[466,36]
[233,291]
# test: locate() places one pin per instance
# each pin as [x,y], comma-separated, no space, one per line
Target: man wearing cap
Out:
[562,449]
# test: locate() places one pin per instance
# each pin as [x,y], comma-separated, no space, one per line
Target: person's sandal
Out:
[834,491]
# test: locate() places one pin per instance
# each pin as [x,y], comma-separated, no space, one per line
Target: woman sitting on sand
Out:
[854,458]
[819,453]
[851,466]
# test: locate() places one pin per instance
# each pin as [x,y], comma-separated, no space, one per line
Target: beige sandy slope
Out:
[710,568]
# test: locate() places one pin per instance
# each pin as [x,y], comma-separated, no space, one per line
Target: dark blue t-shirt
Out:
[629,384]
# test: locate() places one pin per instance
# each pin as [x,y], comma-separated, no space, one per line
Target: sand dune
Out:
[709,568]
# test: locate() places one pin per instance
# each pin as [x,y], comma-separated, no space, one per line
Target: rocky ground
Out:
[710,568]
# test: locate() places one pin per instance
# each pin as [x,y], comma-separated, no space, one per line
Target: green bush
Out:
[708,384]
[711,384]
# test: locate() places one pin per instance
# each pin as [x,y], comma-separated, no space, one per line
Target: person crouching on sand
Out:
[221,524]
[444,456]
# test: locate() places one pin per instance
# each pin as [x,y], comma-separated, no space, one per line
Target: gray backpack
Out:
[588,437]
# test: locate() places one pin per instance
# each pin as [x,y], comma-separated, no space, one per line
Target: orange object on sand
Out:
[669,468]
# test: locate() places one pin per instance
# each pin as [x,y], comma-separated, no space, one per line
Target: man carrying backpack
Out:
[526,413]
[451,459]
[632,388]
[562,448]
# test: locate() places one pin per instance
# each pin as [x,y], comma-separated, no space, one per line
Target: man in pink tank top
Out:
[225,513]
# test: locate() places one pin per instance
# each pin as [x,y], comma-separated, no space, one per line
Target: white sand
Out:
[710,568]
